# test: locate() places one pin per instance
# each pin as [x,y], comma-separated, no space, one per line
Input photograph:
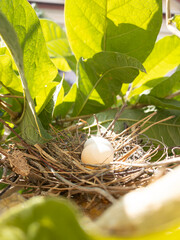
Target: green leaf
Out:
[30,125]
[168,86]
[178,68]
[164,57]
[31,128]
[41,218]
[38,68]
[64,102]
[159,102]
[168,131]
[10,83]
[8,78]
[57,44]
[129,27]
[45,93]
[100,79]
[46,115]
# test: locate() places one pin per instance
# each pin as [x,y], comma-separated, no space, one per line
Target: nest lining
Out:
[56,168]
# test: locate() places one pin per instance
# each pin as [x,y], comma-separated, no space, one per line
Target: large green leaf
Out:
[38,68]
[100,79]
[164,57]
[30,125]
[167,132]
[159,102]
[168,86]
[129,27]
[41,218]
[57,44]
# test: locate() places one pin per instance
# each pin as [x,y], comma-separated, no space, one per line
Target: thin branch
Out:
[59,121]
[149,165]
[12,114]
[118,114]
[10,96]
[175,94]
[15,133]
[84,189]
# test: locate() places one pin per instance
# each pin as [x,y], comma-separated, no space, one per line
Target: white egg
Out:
[97,151]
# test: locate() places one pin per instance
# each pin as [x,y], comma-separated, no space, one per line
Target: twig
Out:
[97,123]
[144,120]
[10,96]
[13,179]
[12,114]
[160,121]
[149,165]
[15,133]
[73,119]
[85,189]
[175,94]
[118,114]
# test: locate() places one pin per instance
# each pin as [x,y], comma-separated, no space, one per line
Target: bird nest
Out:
[55,168]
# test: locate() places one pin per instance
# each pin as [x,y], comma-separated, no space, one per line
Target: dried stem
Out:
[175,94]
[84,189]
[12,114]
[118,114]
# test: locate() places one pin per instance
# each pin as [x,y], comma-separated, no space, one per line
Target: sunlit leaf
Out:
[29,123]
[129,27]
[8,79]
[176,20]
[57,44]
[65,103]
[38,68]
[10,83]
[164,57]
